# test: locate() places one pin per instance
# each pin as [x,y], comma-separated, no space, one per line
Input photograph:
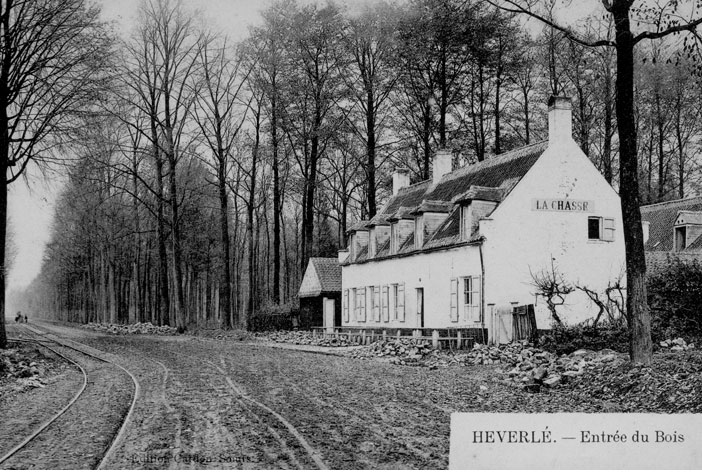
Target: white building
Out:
[460,250]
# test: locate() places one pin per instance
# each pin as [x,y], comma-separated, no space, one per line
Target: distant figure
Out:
[18,318]
[25,319]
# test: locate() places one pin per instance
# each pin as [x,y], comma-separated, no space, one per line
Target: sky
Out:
[30,206]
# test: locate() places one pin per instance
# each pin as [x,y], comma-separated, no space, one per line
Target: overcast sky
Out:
[31,209]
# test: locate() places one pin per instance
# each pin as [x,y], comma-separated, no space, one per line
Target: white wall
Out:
[520,239]
[431,271]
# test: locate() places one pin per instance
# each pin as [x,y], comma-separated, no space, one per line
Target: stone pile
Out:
[137,328]
[402,351]
[13,365]
[676,345]
[535,368]
[307,338]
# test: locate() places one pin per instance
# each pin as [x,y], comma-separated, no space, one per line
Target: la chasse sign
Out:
[563,205]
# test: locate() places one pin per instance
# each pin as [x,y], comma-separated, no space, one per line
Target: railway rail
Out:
[90,420]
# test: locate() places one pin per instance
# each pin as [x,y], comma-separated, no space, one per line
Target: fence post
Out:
[398,334]
[363,337]
[385,335]
[458,339]
[435,339]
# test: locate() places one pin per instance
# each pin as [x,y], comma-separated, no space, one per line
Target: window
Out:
[394,303]
[467,291]
[354,298]
[465,222]
[394,237]
[600,228]
[680,238]
[386,304]
[471,299]
[362,305]
[418,232]
[594,225]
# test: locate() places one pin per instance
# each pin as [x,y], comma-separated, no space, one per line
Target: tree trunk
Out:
[276,200]
[640,346]
[370,153]
[164,300]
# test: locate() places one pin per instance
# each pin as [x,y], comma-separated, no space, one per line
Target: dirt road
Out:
[220,404]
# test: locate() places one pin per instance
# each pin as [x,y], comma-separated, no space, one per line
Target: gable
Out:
[323,275]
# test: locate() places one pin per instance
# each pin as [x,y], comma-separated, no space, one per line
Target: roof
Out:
[481,193]
[489,180]
[323,275]
[432,206]
[662,217]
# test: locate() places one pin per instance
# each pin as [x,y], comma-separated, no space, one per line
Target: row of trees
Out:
[206,174]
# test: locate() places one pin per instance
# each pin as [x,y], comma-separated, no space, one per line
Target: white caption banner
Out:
[575,441]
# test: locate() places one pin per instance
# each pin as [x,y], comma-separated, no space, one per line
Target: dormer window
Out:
[465,221]
[680,238]
[394,237]
[419,232]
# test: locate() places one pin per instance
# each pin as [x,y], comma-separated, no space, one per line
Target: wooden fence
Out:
[443,338]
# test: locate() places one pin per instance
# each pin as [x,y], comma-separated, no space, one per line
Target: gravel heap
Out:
[525,364]
[676,345]
[137,328]
[534,368]
[14,365]
[306,338]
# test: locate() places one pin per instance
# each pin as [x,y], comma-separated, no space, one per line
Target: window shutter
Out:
[608,229]
[476,302]
[385,301]
[362,305]
[454,300]
[376,303]
[401,302]
[346,306]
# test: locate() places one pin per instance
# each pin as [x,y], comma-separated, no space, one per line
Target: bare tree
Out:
[220,113]
[51,55]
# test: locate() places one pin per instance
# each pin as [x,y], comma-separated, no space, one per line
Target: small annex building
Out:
[461,250]
[320,293]
[672,229]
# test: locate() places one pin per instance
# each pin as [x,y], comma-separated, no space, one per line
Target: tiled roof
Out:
[662,217]
[432,206]
[502,171]
[482,193]
[329,273]
[490,180]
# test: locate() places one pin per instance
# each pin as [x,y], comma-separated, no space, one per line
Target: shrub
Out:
[566,339]
[273,318]
[675,299]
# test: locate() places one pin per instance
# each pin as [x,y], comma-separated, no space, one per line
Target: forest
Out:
[203,173]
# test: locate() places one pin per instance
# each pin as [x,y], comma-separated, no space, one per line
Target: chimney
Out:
[400,179]
[645,225]
[442,164]
[560,119]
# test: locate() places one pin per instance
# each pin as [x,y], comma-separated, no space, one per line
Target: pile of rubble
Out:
[676,345]
[535,368]
[525,364]
[307,338]
[402,351]
[137,328]
[14,366]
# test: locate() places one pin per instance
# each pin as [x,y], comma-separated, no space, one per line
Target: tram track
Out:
[94,419]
